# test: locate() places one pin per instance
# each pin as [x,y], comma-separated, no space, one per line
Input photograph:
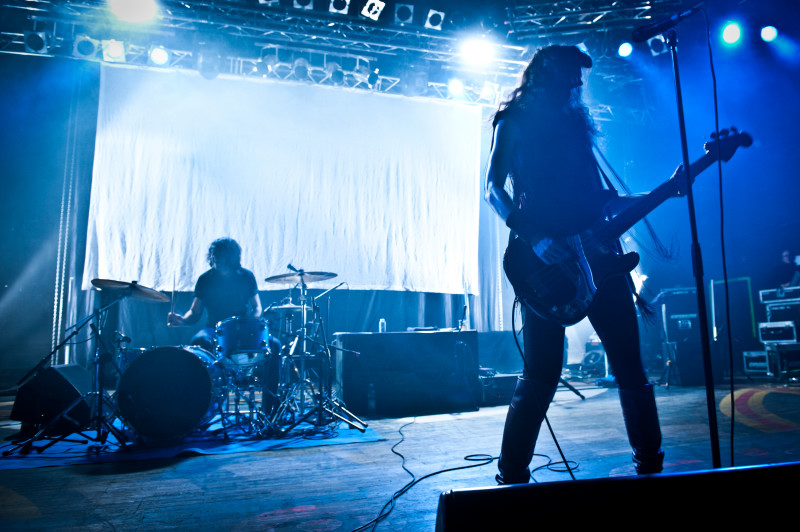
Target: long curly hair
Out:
[546,76]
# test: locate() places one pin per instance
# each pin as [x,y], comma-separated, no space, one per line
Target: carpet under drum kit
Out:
[265,378]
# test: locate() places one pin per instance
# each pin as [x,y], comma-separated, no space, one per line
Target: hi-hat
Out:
[301,276]
[135,290]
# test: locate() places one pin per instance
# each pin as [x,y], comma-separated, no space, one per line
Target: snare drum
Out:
[236,336]
[168,392]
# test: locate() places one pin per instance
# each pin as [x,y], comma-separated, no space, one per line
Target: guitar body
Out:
[562,292]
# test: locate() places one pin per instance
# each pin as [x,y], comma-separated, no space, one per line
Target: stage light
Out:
[731,33]
[300,68]
[769,33]
[209,63]
[335,72]
[657,45]
[36,42]
[434,20]
[134,11]
[266,64]
[269,3]
[85,47]
[158,56]
[489,91]
[455,87]
[339,6]
[304,4]
[403,14]
[625,49]
[477,52]
[373,9]
[113,51]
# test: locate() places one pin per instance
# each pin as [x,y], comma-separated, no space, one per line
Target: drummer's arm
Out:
[191,316]
[255,306]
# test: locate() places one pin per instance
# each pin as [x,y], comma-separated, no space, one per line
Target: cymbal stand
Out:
[99,422]
[326,405]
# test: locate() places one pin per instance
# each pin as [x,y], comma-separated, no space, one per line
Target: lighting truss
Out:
[244,31]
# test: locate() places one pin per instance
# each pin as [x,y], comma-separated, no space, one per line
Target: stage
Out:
[345,487]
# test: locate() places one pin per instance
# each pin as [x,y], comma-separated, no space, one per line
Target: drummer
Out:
[224,291]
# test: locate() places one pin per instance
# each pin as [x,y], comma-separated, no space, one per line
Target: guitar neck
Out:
[642,207]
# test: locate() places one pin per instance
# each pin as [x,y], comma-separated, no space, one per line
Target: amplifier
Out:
[777,332]
[783,312]
[791,293]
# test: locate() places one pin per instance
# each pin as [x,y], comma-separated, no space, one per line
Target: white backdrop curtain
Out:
[382,190]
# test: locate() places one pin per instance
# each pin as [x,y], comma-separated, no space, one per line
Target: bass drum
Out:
[168,392]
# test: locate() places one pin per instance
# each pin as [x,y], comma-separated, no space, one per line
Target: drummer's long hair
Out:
[227,249]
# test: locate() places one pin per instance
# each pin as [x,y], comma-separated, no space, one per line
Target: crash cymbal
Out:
[300,276]
[135,290]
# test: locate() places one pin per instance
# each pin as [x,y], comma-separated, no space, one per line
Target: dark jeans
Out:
[613,317]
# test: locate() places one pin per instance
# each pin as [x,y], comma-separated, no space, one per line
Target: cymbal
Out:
[288,307]
[136,290]
[300,276]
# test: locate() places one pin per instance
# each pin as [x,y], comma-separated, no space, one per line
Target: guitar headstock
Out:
[726,144]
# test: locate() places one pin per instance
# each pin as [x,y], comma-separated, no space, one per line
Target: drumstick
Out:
[172,302]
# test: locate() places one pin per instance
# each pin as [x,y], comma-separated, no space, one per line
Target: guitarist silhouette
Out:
[562,256]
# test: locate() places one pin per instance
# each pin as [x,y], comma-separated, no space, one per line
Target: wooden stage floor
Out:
[345,487]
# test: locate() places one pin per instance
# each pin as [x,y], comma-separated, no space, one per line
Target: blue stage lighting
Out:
[731,33]
[625,49]
[769,33]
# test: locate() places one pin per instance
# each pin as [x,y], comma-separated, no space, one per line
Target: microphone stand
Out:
[697,260]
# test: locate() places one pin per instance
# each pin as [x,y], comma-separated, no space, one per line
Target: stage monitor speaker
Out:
[624,503]
[49,393]
[408,373]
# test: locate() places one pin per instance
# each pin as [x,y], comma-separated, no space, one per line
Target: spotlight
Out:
[269,3]
[456,87]
[657,45]
[403,14]
[489,91]
[300,68]
[266,64]
[113,51]
[363,73]
[625,49]
[134,11]
[84,47]
[158,55]
[477,52]
[36,42]
[339,6]
[209,63]
[434,20]
[304,4]
[731,33]
[372,9]
[769,33]
[335,73]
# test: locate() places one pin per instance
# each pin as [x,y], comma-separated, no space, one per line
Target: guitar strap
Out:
[648,310]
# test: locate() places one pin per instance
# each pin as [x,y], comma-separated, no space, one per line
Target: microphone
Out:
[651,30]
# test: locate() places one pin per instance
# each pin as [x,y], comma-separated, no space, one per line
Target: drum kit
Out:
[264,379]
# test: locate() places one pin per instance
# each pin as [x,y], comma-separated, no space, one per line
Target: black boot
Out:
[644,432]
[525,414]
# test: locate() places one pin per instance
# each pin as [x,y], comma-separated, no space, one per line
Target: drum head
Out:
[166,392]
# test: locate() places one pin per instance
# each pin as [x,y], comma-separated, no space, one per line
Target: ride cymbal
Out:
[135,290]
[300,276]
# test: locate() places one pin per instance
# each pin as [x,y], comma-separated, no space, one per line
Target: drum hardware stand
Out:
[102,425]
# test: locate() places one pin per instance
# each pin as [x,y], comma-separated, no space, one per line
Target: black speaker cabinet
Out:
[408,373]
[623,503]
[51,392]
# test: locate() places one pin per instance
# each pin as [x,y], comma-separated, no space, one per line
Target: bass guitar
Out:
[565,291]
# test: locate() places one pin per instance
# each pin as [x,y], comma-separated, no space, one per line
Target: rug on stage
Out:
[79,449]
